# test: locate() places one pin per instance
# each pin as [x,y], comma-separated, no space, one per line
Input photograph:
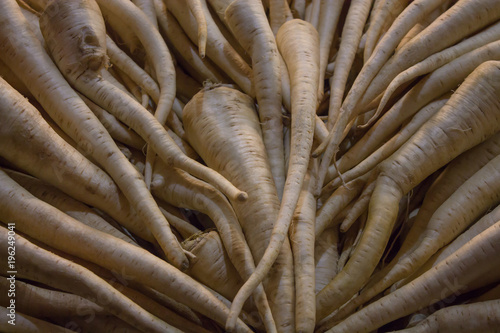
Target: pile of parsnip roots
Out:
[249,166]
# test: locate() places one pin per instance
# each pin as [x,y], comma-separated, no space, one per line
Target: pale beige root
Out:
[337,202]
[167,302]
[187,54]
[157,52]
[116,129]
[360,206]
[55,228]
[327,23]
[384,14]
[297,41]
[460,21]
[81,56]
[456,214]
[184,145]
[249,24]
[37,264]
[181,189]
[320,129]
[312,12]
[210,118]
[397,178]
[423,24]
[134,115]
[185,228]
[326,257]
[432,86]
[199,13]
[439,59]
[465,318]
[32,18]
[158,58]
[344,60]
[351,35]
[448,181]
[218,48]
[147,7]
[65,203]
[149,299]
[350,240]
[302,239]
[217,8]
[61,307]
[122,61]
[164,312]
[211,265]
[121,81]
[45,155]
[42,302]
[126,35]
[388,147]
[467,265]
[279,13]
[475,229]
[377,73]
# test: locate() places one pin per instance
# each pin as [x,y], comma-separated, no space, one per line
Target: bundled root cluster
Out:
[250,166]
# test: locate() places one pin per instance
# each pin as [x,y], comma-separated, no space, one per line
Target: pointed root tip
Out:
[316,153]
[242,196]
[180,265]
[184,265]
